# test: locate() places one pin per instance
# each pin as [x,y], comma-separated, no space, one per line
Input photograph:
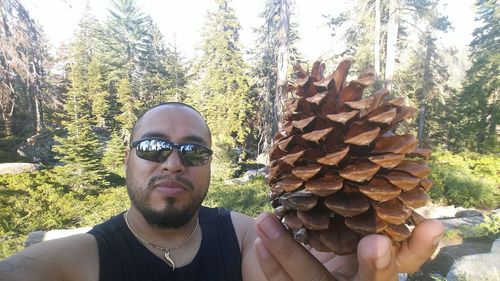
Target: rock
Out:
[437,212]
[468,213]
[496,211]
[495,247]
[247,176]
[476,267]
[263,159]
[457,222]
[38,148]
[17,168]
[442,212]
[39,236]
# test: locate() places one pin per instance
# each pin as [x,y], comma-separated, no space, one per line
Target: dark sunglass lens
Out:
[195,155]
[154,150]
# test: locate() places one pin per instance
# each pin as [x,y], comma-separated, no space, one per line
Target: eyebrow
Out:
[190,138]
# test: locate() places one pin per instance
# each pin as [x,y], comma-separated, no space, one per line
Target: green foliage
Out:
[79,152]
[97,90]
[33,201]
[8,147]
[250,198]
[466,179]
[114,157]
[477,109]
[489,229]
[222,90]
[128,114]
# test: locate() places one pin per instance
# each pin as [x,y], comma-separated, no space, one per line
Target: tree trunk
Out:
[392,40]
[425,88]
[268,126]
[7,117]
[8,109]
[376,41]
[282,61]
[39,125]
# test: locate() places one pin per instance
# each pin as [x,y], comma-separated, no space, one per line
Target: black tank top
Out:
[123,258]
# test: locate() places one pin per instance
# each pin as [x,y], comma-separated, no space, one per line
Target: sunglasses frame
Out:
[178,146]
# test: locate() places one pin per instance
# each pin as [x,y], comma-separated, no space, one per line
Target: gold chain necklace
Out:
[165,250]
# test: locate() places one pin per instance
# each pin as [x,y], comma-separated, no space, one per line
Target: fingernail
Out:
[436,240]
[384,261]
[270,227]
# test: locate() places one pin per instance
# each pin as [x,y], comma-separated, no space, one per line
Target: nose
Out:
[173,163]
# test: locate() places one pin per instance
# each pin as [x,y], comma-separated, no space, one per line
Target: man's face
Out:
[168,194]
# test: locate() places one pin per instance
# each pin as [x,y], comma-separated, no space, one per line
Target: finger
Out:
[293,257]
[271,268]
[420,247]
[376,259]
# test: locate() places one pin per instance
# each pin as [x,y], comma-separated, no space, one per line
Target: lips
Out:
[169,188]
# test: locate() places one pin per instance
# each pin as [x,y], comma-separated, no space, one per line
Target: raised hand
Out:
[283,259]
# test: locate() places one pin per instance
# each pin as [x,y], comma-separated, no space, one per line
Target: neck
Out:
[165,237]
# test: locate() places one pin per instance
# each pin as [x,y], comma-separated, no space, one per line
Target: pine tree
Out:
[221,93]
[114,157]
[23,71]
[128,110]
[125,37]
[80,151]
[478,103]
[139,68]
[422,78]
[98,91]
[266,67]
[356,27]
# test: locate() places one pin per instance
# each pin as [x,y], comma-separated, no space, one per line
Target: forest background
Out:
[87,94]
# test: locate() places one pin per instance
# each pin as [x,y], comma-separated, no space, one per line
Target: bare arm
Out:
[71,258]
[245,230]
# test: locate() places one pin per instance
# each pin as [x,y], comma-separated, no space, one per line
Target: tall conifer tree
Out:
[266,67]
[80,150]
[222,91]
[478,104]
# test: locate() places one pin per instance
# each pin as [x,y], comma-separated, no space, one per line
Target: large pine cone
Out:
[337,171]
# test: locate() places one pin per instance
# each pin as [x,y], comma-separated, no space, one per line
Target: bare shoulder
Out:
[70,258]
[245,230]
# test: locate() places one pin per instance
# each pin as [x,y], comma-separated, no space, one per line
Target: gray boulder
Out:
[458,222]
[38,148]
[437,212]
[18,168]
[247,176]
[484,267]
[468,213]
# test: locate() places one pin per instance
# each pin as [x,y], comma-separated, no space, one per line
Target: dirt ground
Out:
[448,251]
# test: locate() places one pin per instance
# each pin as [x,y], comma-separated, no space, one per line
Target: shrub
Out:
[466,179]
[31,201]
[250,198]
[8,147]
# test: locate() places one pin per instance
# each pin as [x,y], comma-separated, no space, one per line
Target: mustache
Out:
[184,181]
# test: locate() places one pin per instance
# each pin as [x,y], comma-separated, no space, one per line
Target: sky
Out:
[183,20]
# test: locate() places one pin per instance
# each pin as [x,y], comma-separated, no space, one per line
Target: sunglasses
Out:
[159,150]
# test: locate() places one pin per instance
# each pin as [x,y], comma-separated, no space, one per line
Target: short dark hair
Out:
[172,103]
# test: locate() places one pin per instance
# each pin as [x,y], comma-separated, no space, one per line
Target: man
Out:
[167,235]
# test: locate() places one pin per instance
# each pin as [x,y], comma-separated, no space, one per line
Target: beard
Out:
[169,216]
